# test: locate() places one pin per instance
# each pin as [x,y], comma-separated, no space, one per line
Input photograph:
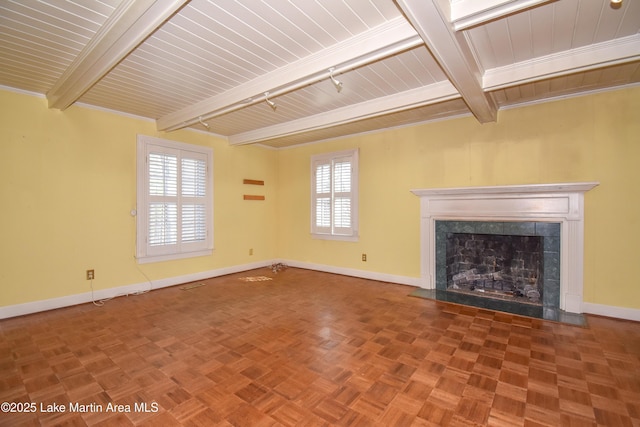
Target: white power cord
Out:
[93,300]
[101,302]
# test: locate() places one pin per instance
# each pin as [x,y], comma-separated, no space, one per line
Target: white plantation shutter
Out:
[175,202]
[194,191]
[163,224]
[334,195]
[323,197]
[163,191]
[194,224]
[342,196]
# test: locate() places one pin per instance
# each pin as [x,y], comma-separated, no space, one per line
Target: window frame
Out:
[331,233]
[146,253]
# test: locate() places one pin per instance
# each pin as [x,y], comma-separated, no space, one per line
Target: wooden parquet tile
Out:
[312,349]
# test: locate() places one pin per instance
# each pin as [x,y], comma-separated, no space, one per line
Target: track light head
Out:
[269,102]
[206,125]
[616,4]
[337,83]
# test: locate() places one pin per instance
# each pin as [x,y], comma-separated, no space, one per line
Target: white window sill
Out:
[171,257]
[334,237]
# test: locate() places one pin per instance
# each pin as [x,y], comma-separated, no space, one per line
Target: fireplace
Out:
[482,226]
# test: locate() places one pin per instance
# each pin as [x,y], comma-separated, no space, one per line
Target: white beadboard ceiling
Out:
[211,64]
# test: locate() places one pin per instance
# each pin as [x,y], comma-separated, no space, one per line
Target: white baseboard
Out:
[70,300]
[381,277]
[611,311]
[101,294]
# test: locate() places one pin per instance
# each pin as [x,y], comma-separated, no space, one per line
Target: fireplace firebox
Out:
[510,261]
[498,266]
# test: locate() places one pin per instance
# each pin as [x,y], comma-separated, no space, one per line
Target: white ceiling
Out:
[184,63]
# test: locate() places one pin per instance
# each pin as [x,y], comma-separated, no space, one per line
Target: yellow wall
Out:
[68,184]
[590,138]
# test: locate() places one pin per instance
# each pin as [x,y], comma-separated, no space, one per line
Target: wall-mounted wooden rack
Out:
[253,182]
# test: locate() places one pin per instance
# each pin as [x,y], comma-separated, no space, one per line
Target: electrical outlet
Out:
[251,251]
[90,275]
[364,257]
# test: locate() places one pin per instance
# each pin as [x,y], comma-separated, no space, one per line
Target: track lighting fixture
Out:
[269,102]
[615,4]
[206,125]
[337,83]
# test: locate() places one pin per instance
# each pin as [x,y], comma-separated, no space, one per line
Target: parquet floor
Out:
[312,349]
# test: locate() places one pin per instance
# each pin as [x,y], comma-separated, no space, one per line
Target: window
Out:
[175,200]
[334,195]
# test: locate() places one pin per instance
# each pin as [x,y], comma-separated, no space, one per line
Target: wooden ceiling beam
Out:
[413,98]
[129,25]
[599,55]
[452,51]
[470,13]
[387,39]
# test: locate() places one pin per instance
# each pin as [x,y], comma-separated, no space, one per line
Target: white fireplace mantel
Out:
[562,203]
